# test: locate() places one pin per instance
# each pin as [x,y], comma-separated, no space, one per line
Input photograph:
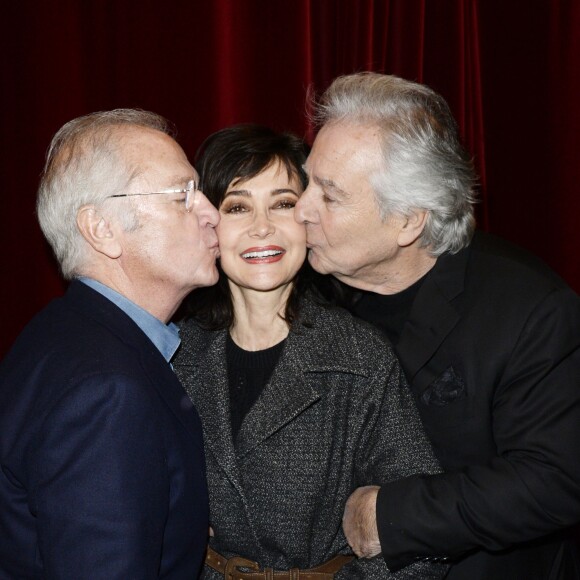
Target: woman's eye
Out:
[233,208]
[285,204]
[327,199]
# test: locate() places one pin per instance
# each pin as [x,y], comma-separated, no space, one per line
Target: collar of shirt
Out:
[164,336]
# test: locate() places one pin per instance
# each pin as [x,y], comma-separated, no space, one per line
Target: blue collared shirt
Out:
[164,336]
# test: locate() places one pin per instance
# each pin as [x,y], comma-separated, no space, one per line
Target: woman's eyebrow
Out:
[242,192]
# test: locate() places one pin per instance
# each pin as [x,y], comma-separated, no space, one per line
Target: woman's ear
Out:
[98,232]
[412,227]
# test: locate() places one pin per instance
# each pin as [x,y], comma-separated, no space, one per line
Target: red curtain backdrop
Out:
[508,69]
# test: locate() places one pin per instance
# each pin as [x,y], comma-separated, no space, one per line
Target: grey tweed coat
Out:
[336,414]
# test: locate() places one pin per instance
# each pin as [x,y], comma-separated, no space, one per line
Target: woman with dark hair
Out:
[300,403]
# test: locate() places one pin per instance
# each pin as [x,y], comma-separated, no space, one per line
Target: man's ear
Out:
[98,232]
[412,227]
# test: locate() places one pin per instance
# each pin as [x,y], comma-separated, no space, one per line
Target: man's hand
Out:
[360,522]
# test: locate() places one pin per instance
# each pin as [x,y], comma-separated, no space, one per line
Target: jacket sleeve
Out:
[99,482]
[532,486]
[394,446]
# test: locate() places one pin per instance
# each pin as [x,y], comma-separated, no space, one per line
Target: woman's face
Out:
[262,247]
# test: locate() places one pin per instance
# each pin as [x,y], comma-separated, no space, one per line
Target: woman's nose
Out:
[262,225]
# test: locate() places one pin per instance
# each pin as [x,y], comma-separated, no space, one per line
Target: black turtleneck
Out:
[388,312]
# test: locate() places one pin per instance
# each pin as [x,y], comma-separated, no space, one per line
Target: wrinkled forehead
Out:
[143,143]
[110,144]
[340,146]
[154,158]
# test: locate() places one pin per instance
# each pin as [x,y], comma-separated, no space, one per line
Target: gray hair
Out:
[424,165]
[84,165]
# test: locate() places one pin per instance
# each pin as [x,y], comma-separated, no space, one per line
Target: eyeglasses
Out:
[190,191]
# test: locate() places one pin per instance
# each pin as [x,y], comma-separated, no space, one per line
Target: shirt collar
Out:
[164,336]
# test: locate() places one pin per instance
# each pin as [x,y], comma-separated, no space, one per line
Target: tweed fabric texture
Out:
[336,414]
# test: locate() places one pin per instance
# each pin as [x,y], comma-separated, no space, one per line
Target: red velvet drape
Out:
[508,69]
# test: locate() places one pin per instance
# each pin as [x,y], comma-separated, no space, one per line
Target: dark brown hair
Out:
[242,152]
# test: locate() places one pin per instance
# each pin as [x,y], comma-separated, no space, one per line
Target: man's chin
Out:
[316,263]
[206,278]
[212,278]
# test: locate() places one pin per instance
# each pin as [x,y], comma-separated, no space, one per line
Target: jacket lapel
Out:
[96,306]
[285,396]
[171,391]
[293,387]
[205,380]
[433,315]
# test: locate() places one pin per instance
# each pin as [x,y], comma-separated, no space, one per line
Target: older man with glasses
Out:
[101,456]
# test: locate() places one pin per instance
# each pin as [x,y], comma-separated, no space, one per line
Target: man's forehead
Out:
[137,135]
[346,138]
[150,147]
[156,160]
[341,146]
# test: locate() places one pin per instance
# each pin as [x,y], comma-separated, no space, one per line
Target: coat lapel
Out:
[171,391]
[293,387]
[433,315]
[285,396]
[204,376]
[91,303]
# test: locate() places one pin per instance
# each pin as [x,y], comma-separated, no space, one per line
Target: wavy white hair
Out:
[424,165]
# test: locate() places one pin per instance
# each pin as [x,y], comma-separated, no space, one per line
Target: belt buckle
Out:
[237,561]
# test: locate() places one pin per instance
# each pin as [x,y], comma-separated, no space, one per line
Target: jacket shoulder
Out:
[194,340]
[78,335]
[335,334]
[501,262]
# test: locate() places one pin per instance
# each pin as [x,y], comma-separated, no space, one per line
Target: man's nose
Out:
[304,209]
[208,215]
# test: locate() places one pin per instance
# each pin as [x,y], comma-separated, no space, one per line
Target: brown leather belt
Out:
[229,567]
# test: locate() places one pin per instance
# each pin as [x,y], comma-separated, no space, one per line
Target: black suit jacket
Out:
[102,465]
[492,352]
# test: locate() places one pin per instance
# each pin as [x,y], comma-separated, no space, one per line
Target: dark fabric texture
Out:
[101,454]
[336,414]
[388,313]
[492,354]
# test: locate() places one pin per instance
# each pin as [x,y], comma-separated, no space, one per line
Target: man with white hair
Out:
[489,339]
[101,454]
